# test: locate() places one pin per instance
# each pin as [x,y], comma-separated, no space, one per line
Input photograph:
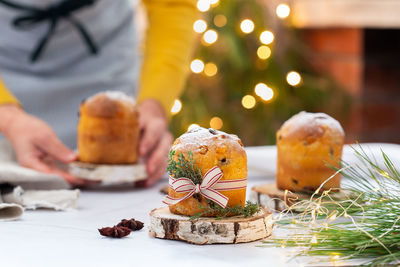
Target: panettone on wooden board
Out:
[307,144]
[108,129]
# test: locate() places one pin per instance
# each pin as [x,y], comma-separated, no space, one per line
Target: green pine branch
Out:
[365,225]
[183,167]
[247,211]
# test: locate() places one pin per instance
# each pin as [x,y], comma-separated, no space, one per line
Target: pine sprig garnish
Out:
[247,211]
[183,167]
[365,225]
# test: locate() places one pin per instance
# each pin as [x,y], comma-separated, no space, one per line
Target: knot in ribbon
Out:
[53,13]
[197,189]
[209,188]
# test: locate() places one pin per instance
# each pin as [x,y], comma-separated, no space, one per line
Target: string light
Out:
[293,78]
[263,91]
[220,20]
[193,126]
[176,107]
[210,37]
[210,69]
[314,240]
[214,2]
[247,26]
[335,257]
[248,101]
[200,26]
[197,66]
[282,11]
[332,217]
[264,52]
[203,5]
[384,174]
[216,123]
[266,37]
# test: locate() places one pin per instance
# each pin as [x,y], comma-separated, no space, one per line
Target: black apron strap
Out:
[52,14]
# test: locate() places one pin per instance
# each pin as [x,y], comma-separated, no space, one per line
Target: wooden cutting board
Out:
[109,174]
[275,200]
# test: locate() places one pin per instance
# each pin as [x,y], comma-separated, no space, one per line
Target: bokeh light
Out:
[266,37]
[197,66]
[210,69]
[282,11]
[200,26]
[193,126]
[247,26]
[220,20]
[248,101]
[216,123]
[293,78]
[260,87]
[263,91]
[210,36]
[176,107]
[264,52]
[203,5]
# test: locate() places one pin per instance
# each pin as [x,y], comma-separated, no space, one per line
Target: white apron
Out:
[66,73]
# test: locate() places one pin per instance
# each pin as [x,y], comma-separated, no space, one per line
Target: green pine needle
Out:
[247,211]
[183,167]
[365,225]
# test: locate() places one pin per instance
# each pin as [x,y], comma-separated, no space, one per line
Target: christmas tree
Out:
[247,79]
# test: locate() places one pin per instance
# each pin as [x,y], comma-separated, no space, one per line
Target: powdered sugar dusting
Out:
[117,96]
[200,136]
[307,118]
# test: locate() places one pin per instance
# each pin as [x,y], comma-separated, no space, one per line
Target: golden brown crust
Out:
[306,126]
[211,148]
[111,104]
[108,130]
[306,144]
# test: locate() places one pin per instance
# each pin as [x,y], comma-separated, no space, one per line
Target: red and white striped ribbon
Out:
[209,188]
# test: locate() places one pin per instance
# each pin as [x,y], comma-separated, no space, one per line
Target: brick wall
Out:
[366,63]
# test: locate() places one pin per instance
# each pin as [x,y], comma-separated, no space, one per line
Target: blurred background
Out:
[258,62]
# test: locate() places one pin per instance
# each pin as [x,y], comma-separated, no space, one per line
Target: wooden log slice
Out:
[207,230]
[274,199]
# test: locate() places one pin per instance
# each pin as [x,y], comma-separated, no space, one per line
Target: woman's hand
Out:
[35,143]
[155,140]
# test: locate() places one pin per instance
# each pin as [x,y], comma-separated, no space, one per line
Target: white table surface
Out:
[49,238]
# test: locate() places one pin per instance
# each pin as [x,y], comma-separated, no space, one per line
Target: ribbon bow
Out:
[209,188]
[53,14]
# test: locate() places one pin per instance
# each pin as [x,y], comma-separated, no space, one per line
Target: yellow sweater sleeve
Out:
[167,49]
[6,97]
